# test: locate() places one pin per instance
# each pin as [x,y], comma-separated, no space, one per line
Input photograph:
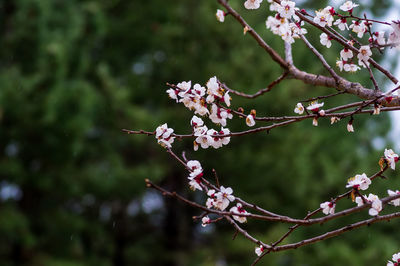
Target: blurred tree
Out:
[74,73]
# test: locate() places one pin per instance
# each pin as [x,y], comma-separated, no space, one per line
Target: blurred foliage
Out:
[74,73]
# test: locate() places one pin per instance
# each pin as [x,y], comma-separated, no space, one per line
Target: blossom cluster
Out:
[196,173]
[208,137]
[164,135]
[285,23]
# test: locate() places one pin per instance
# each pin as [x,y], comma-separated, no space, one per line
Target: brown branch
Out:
[260,92]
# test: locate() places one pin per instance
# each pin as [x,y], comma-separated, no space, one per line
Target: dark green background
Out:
[74,73]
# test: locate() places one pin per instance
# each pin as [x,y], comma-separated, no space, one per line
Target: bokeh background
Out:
[74,73]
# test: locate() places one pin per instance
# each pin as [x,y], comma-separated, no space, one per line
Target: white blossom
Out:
[324,17]
[205,221]
[359,182]
[239,209]
[220,15]
[259,250]
[315,121]
[314,106]
[350,127]
[391,157]
[223,198]
[364,54]
[395,202]
[341,23]
[325,40]
[348,6]
[358,28]
[328,207]
[250,120]
[286,9]
[346,54]
[252,4]
[164,136]
[299,109]
[396,259]
[376,203]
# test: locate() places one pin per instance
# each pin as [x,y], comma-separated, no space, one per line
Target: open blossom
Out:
[359,182]
[164,136]
[286,9]
[239,209]
[299,109]
[346,54]
[324,17]
[364,54]
[314,106]
[205,221]
[328,207]
[341,23]
[195,178]
[252,4]
[395,202]
[325,40]
[396,259]
[348,6]
[220,15]
[391,157]
[351,68]
[219,115]
[379,37]
[223,198]
[359,28]
[259,250]
[196,121]
[376,203]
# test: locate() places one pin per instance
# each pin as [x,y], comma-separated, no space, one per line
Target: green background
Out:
[74,73]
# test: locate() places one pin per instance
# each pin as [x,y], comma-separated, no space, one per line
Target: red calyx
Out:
[332,11]
[389,99]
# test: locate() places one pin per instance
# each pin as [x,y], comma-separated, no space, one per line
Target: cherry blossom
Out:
[324,17]
[220,15]
[351,68]
[314,106]
[359,182]
[325,40]
[219,115]
[334,119]
[396,259]
[286,9]
[376,205]
[364,55]
[250,120]
[348,6]
[358,28]
[223,198]
[196,122]
[239,209]
[350,127]
[341,23]
[195,176]
[395,202]
[205,221]
[328,207]
[164,136]
[346,54]
[315,121]
[259,250]
[252,4]
[391,157]
[299,109]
